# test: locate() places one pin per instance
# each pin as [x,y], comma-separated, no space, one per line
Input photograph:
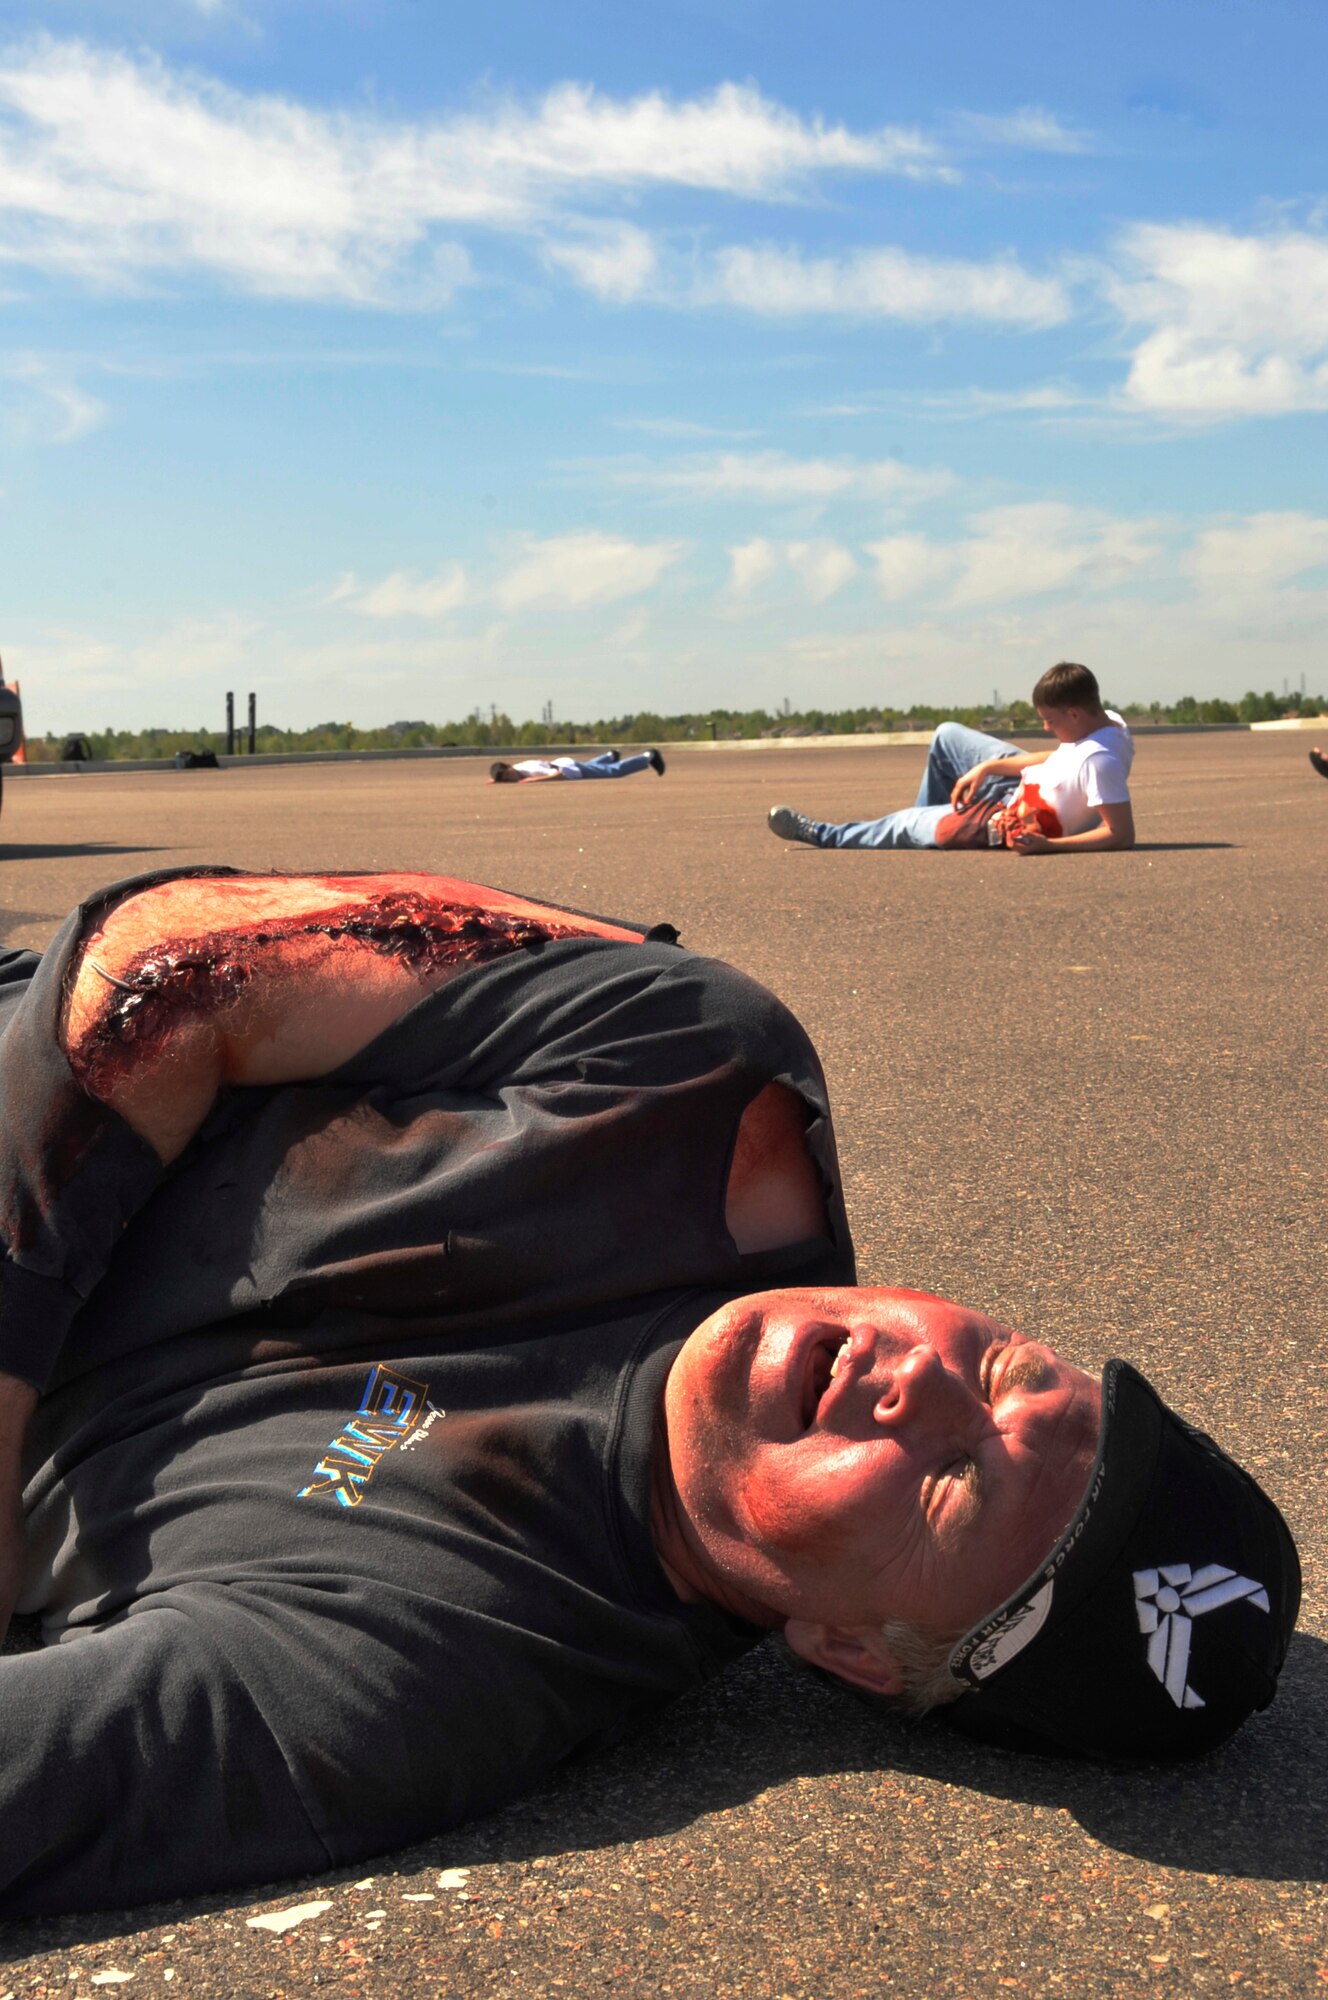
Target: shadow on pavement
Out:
[1257,1809]
[1180,846]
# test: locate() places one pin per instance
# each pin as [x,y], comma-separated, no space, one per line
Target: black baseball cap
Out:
[1161,1618]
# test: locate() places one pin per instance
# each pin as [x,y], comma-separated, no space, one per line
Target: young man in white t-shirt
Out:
[980,792]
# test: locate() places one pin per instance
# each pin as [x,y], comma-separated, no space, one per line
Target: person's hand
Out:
[1029,841]
[965,788]
[17,1401]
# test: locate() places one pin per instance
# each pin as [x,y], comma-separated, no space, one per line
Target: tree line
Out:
[497,730]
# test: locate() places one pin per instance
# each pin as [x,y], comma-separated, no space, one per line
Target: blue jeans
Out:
[605,766]
[953,751]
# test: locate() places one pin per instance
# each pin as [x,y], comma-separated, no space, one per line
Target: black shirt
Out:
[368,1392]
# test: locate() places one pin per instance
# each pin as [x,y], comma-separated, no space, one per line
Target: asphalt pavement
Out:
[1087,1095]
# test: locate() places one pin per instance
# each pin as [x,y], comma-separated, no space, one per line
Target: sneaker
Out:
[612,757]
[657,761]
[789,825]
[1319,761]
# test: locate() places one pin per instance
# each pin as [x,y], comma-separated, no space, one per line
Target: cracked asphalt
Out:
[1085,1094]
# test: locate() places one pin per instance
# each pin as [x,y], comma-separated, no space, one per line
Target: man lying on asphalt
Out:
[433,1321]
[609,764]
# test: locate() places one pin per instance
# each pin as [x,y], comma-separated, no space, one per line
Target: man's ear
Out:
[854,1653]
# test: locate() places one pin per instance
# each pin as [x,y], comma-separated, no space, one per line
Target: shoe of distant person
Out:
[787,824]
[1319,761]
[658,763]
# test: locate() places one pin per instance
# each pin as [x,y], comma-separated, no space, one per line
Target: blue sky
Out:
[391,359]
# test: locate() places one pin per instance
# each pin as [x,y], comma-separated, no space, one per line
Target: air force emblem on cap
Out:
[1167,1602]
[1013,1633]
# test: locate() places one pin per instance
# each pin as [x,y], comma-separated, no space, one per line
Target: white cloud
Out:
[176,673]
[1258,553]
[622,262]
[630,633]
[223,10]
[571,572]
[734,140]
[44,405]
[1139,651]
[906,565]
[822,567]
[1026,551]
[1048,400]
[162,660]
[678,427]
[79,412]
[1030,130]
[1239,324]
[1015,553]
[114,170]
[775,476]
[616,262]
[750,565]
[882,284]
[402,595]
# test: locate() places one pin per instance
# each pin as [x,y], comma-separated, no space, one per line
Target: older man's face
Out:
[858,1455]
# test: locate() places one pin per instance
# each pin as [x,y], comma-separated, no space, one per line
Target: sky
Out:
[393,359]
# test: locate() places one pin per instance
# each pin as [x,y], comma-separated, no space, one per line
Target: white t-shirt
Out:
[548,767]
[1079,777]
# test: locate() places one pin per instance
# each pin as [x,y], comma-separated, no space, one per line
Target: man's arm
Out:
[965,788]
[1116,830]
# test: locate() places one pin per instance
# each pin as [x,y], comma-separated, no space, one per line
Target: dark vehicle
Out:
[11,725]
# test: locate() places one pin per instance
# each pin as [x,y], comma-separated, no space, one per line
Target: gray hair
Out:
[923,1659]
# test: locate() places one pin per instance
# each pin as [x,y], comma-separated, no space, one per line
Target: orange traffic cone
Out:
[20,756]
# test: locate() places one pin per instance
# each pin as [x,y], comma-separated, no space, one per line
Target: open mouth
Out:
[823,1365]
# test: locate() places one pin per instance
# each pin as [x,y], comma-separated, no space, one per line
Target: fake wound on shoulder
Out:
[394,1413]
